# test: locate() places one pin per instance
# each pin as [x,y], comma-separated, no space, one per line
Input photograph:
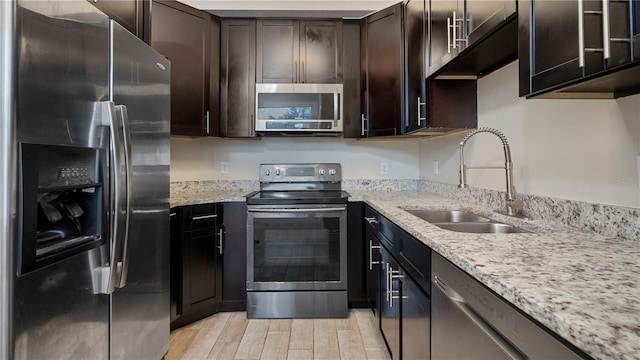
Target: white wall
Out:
[200,158]
[572,149]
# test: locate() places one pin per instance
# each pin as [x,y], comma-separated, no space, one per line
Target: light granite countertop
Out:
[583,286]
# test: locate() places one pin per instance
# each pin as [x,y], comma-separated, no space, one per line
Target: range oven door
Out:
[296,247]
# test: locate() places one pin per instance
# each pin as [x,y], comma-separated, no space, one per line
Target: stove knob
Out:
[321,172]
[277,172]
[332,172]
[267,172]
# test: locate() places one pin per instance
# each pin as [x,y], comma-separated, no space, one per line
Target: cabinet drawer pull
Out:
[371,220]
[172,214]
[203,217]
[220,237]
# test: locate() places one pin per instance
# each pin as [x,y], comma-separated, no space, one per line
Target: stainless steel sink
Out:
[481,228]
[446,216]
[463,221]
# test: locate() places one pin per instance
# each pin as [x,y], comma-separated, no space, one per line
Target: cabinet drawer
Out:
[415,258]
[200,217]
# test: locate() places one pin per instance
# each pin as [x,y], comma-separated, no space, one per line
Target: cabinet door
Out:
[320,52]
[484,15]
[441,35]
[383,71]
[414,32]
[200,266]
[237,77]
[278,49]
[351,77]
[636,29]
[390,287]
[181,34]
[234,293]
[176,264]
[416,322]
[553,32]
[373,270]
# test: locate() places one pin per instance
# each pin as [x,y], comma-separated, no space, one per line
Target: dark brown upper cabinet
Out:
[393,70]
[299,51]
[133,15]
[582,48]
[471,37]
[237,77]
[382,67]
[190,39]
[397,99]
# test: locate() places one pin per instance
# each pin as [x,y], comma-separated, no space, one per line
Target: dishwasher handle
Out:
[462,305]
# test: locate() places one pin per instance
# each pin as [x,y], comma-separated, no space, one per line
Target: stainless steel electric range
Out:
[297,243]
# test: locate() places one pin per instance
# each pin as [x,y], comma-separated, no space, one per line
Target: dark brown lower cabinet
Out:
[234,288]
[196,260]
[398,287]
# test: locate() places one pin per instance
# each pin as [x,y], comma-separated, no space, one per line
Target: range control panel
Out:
[331,172]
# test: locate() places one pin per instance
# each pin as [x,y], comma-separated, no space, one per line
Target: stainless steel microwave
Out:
[299,108]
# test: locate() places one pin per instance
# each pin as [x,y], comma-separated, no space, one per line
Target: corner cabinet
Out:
[189,38]
[579,46]
[237,77]
[299,51]
[196,261]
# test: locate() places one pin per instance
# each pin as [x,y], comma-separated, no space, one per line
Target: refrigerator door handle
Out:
[123,117]
[107,275]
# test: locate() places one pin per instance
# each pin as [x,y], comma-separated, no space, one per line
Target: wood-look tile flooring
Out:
[233,336]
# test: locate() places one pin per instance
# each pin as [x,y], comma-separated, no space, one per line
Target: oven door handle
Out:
[295,210]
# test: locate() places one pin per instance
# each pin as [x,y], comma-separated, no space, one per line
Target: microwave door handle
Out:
[123,115]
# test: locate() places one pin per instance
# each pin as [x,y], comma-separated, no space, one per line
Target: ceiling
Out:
[290,8]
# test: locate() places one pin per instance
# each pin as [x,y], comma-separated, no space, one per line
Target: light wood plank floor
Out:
[233,336]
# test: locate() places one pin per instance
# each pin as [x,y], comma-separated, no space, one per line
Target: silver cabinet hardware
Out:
[203,217]
[419,117]
[581,33]
[362,122]
[208,122]
[371,220]
[606,41]
[220,237]
[371,248]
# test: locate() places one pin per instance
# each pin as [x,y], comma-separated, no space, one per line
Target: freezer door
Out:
[140,302]
[61,74]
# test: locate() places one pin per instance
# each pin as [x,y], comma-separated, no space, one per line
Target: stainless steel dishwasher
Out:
[471,322]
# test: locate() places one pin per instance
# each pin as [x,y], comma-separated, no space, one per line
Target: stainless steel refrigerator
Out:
[84,186]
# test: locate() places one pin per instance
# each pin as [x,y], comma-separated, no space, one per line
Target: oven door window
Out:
[298,249]
[292,250]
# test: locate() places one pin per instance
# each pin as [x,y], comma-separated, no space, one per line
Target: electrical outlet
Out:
[384,168]
[435,167]
[224,167]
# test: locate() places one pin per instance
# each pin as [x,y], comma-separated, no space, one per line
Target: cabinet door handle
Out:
[393,274]
[296,74]
[371,262]
[204,217]
[388,278]
[220,237]
[606,41]
[581,33]
[208,123]
[419,106]
[449,35]
[362,125]
[303,75]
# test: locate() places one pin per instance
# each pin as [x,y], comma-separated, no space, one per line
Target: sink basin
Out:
[447,216]
[481,228]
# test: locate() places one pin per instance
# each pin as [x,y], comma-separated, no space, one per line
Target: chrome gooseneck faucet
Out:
[514,205]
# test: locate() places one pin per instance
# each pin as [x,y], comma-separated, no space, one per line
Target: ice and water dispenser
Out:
[62,202]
